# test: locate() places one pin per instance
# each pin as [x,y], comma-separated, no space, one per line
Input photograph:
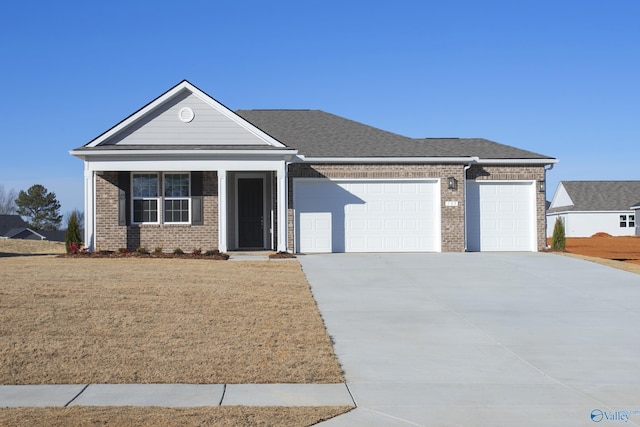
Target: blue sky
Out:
[559,77]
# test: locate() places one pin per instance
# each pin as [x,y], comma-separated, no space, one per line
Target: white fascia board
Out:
[180,165]
[425,160]
[593,212]
[386,159]
[516,161]
[150,155]
[200,94]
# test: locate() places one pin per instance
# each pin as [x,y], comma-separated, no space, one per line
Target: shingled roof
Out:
[600,195]
[315,133]
[11,223]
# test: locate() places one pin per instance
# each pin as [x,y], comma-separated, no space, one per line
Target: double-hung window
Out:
[145,197]
[176,198]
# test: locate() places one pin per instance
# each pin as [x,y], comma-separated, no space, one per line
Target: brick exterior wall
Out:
[111,236]
[452,217]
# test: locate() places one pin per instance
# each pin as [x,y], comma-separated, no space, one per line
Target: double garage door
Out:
[367,216]
[404,216]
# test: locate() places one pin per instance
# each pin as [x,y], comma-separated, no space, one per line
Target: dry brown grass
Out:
[225,416]
[76,321]
[164,320]
[11,247]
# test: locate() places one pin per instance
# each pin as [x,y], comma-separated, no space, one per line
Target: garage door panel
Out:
[500,216]
[370,216]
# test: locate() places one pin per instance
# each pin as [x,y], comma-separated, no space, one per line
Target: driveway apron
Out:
[481,339]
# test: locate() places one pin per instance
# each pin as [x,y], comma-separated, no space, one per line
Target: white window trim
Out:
[158,199]
[187,198]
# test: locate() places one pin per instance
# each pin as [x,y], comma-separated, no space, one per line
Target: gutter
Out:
[473,161]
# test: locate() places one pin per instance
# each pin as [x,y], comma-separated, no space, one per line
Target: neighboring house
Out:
[589,207]
[14,227]
[54,235]
[184,171]
[636,210]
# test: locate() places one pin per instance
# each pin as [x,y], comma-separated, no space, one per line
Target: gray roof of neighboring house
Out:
[600,195]
[315,133]
[10,223]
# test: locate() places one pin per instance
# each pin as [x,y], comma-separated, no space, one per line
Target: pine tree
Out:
[73,233]
[41,207]
[558,240]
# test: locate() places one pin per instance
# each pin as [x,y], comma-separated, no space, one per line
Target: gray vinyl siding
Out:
[164,127]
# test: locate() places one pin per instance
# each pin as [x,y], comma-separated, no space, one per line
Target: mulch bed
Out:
[213,255]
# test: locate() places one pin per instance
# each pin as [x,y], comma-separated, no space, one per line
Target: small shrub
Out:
[123,250]
[142,250]
[558,240]
[73,233]
[212,252]
[196,251]
[73,248]
[158,249]
[178,251]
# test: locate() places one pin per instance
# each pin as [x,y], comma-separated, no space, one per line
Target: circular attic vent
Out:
[186,114]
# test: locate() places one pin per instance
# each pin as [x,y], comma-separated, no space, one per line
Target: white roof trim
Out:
[20,230]
[170,94]
[517,161]
[424,160]
[172,153]
[625,211]
[386,159]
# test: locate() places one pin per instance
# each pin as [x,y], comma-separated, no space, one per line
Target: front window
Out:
[161,198]
[176,197]
[145,197]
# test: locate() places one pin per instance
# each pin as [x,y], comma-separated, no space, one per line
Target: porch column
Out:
[282,207]
[222,210]
[89,211]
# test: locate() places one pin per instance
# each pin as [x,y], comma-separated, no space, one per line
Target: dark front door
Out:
[250,213]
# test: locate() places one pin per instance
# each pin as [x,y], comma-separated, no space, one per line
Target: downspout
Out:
[545,200]
[464,187]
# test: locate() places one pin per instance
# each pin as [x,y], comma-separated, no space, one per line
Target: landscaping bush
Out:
[72,237]
[558,240]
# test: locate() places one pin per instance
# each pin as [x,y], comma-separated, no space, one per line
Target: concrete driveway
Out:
[482,339]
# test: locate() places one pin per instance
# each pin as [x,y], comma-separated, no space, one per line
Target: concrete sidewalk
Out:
[175,395]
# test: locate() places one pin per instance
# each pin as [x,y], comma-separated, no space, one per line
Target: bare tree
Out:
[8,201]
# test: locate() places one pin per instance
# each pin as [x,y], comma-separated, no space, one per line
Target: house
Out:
[185,171]
[14,227]
[589,207]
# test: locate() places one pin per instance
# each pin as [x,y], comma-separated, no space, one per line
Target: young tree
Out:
[7,201]
[558,240]
[41,207]
[73,232]
[79,217]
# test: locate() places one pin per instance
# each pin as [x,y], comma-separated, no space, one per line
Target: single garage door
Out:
[501,216]
[366,216]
